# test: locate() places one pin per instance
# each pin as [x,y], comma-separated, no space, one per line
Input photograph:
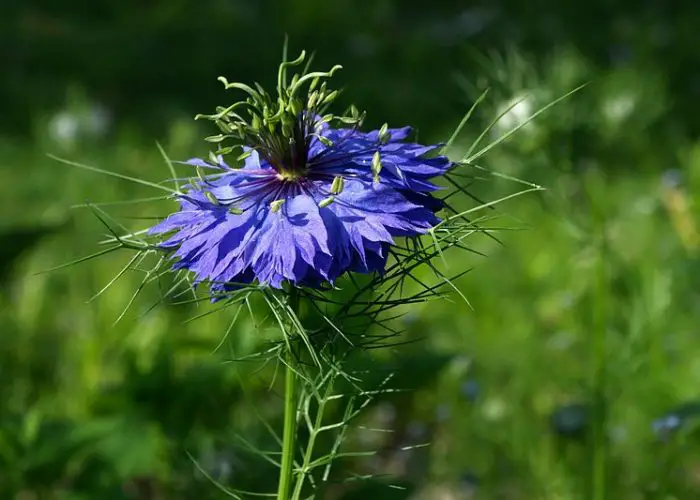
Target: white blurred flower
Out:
[515,112]
[63,127]
[494,409]
[68,126]
[618,108]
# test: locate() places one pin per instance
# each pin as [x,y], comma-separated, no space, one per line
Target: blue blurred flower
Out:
[675,419]
[442,412]
[667,424]
[672,178]
[571,421]
[469,483]
[333,202]
[471,390]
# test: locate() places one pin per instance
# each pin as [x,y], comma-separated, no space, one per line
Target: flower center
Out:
[290,175]
[288,154]
[281,128]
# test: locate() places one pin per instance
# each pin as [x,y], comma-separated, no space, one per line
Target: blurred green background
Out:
[576,375]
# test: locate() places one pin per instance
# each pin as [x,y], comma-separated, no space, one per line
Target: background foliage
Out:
[574,375]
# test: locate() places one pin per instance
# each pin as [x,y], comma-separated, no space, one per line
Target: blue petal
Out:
[301,242]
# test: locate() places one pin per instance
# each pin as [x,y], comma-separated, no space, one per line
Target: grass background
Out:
[573,375]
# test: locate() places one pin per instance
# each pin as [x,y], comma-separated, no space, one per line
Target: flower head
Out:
[314,198]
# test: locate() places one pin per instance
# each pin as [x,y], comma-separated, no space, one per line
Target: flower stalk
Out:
[286,477]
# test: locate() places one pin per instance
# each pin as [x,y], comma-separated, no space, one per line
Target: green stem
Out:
[290,416]
[290,430]
[299,486]
[598,444]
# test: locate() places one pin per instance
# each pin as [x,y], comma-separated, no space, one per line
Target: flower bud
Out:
[330,97]
[384,135]
[376,165]
[325,141]
[200,174]
[313,98]
[338,185]
[212,199]
[296,106]
[326,201]
[276,205]
[244,155]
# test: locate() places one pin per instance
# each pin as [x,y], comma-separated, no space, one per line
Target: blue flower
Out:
[325,202]
[667,424]
[571,420]
[676,419]
[471,389]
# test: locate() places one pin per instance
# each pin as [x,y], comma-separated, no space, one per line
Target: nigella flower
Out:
[310,201]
